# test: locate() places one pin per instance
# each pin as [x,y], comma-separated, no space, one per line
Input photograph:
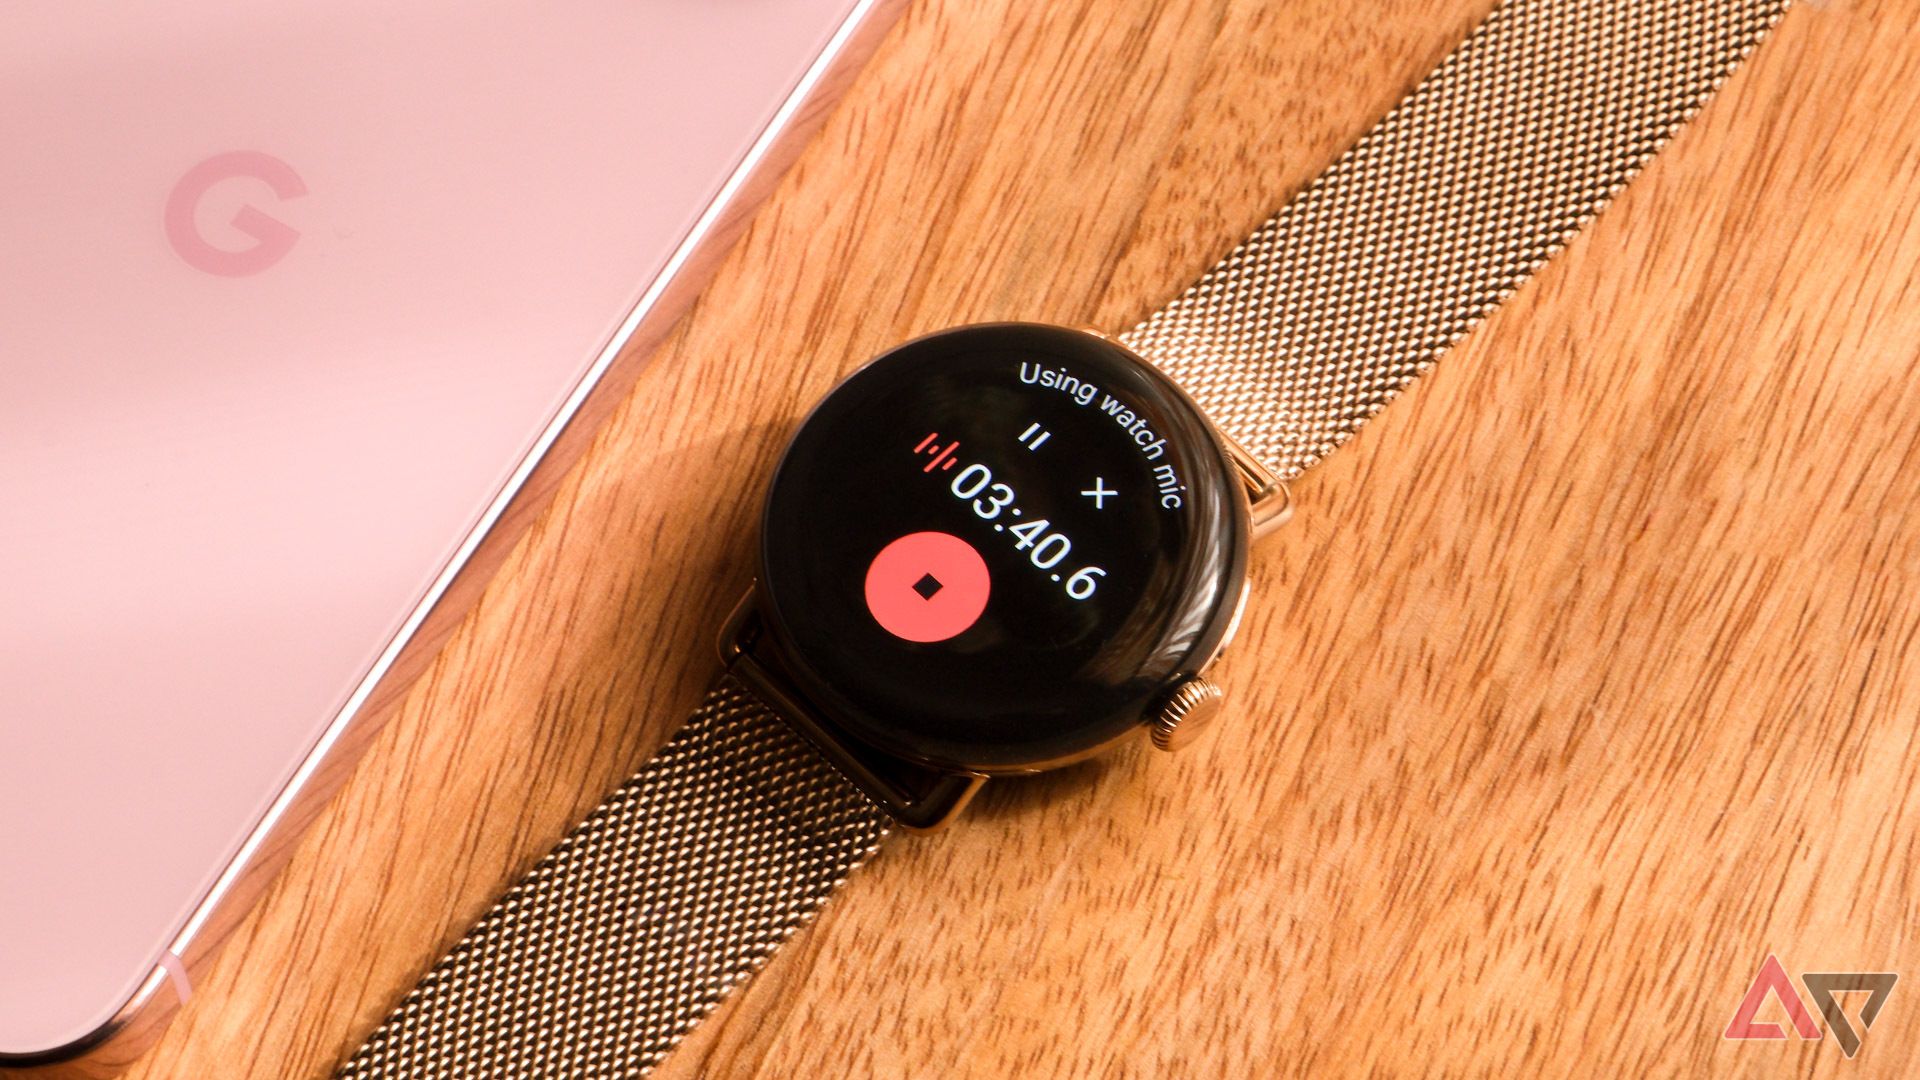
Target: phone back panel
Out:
[291,297]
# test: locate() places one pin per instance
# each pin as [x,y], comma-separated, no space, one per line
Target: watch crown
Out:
[1185,713]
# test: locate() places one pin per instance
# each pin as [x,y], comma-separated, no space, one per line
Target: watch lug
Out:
[739,630]
[920,798]
[1267,494]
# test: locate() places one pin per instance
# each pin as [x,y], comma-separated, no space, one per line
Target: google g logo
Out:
[272,238]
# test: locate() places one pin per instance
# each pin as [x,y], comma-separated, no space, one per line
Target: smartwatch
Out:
[1002,548]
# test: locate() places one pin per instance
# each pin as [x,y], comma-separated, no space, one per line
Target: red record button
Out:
[927,586]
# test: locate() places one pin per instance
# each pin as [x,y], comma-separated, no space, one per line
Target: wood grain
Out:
[1586,676]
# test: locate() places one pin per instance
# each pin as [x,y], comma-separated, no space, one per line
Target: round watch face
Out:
[995,547]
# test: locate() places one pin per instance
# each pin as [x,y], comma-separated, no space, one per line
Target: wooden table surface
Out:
[1586,677]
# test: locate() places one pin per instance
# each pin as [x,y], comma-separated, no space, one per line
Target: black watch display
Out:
[996,547]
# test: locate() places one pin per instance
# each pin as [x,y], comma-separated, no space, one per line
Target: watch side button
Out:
[1185,713]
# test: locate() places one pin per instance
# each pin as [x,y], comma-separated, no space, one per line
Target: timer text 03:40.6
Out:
[1045,548]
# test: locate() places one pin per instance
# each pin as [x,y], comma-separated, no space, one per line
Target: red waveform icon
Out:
[942,456]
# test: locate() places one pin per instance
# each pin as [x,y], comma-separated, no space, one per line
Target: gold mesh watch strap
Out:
[689,876]
[1414,235]
[667,896]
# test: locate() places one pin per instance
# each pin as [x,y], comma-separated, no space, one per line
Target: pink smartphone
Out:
[294,300]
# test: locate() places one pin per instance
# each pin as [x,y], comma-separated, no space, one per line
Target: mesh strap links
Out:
[1413,236]
[672,892]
